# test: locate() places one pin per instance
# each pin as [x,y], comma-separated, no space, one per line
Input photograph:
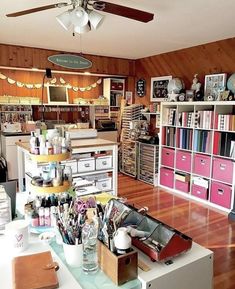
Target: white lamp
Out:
[83,29]
[79,17]
[65,19]
[96,19]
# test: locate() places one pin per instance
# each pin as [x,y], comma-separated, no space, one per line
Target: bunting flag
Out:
[53,81]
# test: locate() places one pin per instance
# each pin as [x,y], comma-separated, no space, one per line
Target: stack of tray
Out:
[129,147]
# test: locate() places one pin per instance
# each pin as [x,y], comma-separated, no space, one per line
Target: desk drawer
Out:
[202,165]
[183,161]
[168,157]
[167,177]
[104,184]
[222,170]
[103,163]
[200,192]
[221,194]
[86,165]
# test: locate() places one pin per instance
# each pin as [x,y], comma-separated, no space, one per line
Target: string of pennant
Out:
[52,81]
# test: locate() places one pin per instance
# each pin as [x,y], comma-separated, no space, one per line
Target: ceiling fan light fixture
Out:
[96,19]
[79,17]
[83,29]
[65,20]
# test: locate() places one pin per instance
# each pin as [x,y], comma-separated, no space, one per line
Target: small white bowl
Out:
[47,237]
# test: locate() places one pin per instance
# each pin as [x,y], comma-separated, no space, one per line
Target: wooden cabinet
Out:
[9,152]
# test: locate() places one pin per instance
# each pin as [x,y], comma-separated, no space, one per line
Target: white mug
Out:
[17,233]
[73,254]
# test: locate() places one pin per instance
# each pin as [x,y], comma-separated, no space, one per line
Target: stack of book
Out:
[171,116]
[225,122]
[224,144]
[204,119]
[169,136]
[184,138]
[186,119]
[202,141]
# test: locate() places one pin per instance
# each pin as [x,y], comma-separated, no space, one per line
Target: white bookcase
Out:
[197,151]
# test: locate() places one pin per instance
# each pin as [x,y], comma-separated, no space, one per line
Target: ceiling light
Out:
[79,17]
[83,29]
[65,19]
[96,19]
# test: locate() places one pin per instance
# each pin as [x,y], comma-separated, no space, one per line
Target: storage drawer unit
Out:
[167,177]
[222,170]
[103,163]
[202,165]
[168,157]
[73,164]
[200,192]
[86,165]
[104,184]
[221,194]
[183,161]
[182,186]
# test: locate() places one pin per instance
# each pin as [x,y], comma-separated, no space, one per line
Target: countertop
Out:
[14,133]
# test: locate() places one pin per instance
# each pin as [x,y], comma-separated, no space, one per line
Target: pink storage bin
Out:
[167,177]
[168,157]
[221,194]
[222,170]
[202,165]
[183,161]
[199,192]
[182,186]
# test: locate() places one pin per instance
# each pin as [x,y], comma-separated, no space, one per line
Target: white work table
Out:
[190,270]
[93,145]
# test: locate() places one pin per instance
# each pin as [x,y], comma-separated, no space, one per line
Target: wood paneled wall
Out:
[33,77]
[28,57]
[215,57]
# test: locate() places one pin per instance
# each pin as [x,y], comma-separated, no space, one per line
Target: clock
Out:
[141,87]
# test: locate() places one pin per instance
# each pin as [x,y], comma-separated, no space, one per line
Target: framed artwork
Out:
[159,88]
[214,85]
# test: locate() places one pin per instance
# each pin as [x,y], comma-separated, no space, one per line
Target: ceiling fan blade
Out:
[123,11]
[37,9]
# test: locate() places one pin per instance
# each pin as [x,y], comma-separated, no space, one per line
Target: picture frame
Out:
[57,94]
[214,85]
[159,88]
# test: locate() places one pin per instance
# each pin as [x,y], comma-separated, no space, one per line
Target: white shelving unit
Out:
[198,153]
[81,146]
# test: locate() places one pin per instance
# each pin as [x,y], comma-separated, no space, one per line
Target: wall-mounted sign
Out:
[70,61]
[140,87]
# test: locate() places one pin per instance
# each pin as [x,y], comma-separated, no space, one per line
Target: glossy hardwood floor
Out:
[207,227]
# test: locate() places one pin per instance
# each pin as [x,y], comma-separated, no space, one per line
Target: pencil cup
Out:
[73,254]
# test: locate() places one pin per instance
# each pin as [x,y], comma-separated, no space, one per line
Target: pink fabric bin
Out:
[183,161]
[168,157]
[167,177]
[182,186]
[202,165]
[222,170]
[199,192]
[221,194]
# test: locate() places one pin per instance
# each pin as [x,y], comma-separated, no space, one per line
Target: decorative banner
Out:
[53,81]
[70,61]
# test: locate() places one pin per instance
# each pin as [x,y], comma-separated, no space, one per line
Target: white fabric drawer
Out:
[103,163]
[104,184]
[86,165]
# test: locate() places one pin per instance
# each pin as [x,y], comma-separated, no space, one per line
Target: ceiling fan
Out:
[82,15]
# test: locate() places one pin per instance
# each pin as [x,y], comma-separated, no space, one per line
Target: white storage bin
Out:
[86,165]
[104,184]
[73,164]
[103,163]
